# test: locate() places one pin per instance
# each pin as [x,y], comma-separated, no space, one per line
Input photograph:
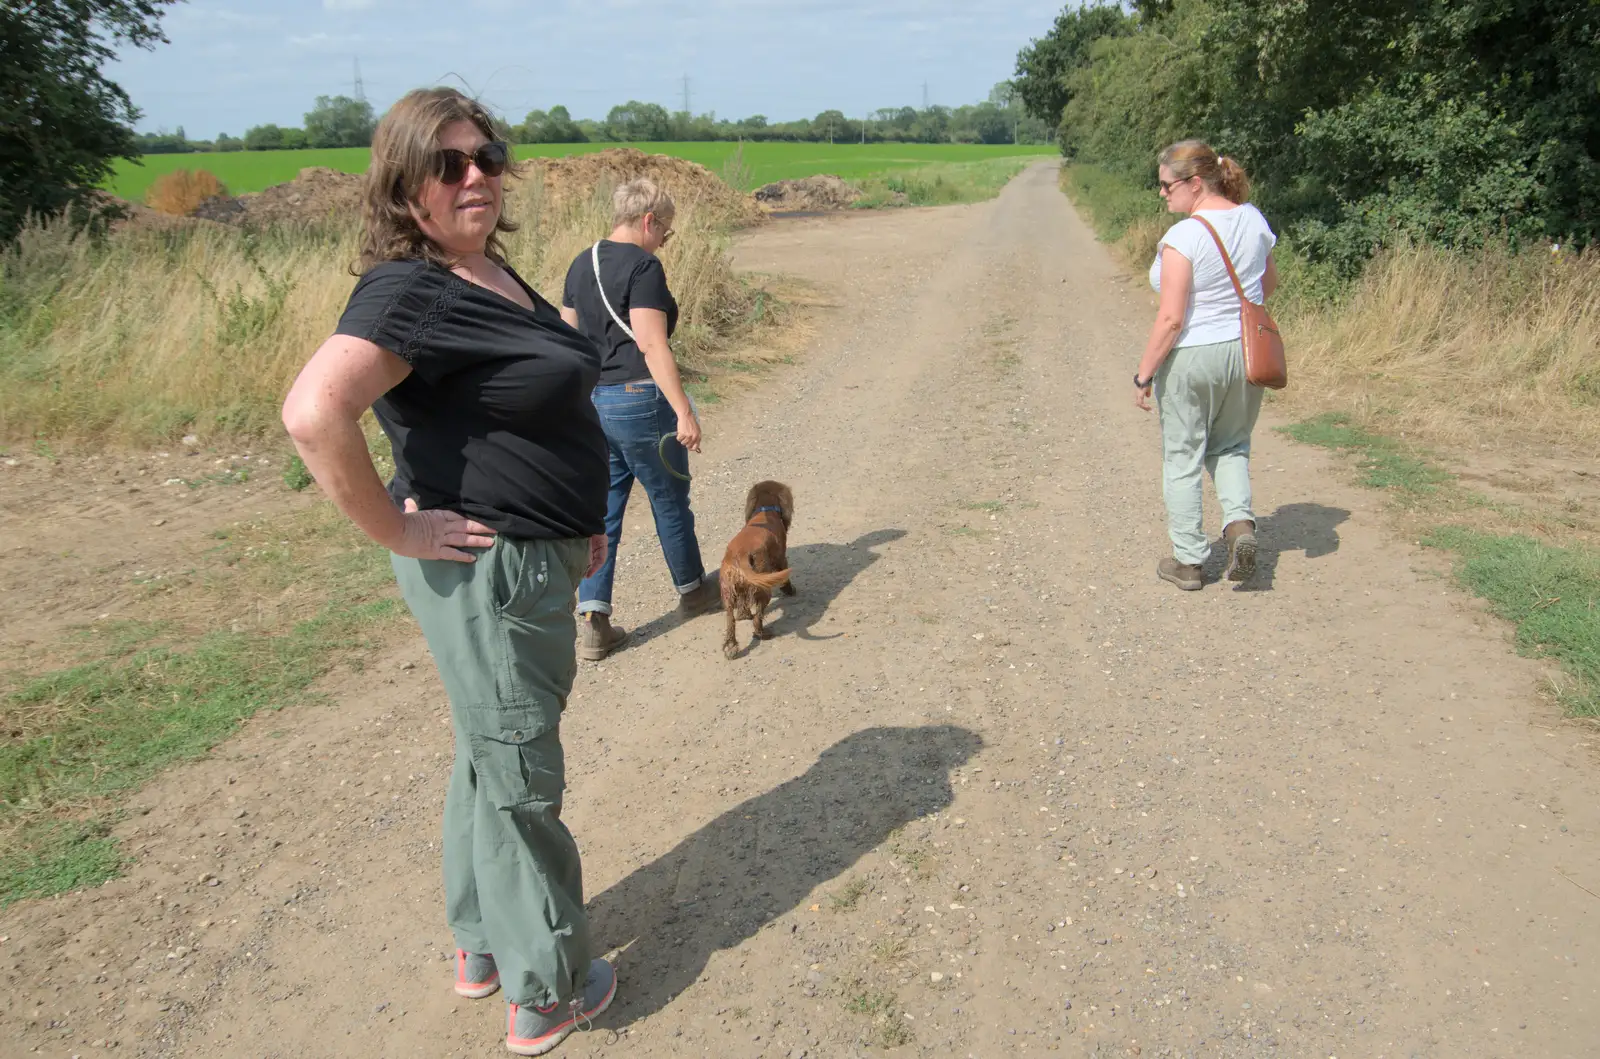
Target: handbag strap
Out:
[1226,260]
[594,254]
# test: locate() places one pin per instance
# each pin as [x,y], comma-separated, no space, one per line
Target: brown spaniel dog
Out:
[756,561]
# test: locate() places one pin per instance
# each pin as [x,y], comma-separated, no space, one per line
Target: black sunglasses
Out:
[490,159]
[1168,185]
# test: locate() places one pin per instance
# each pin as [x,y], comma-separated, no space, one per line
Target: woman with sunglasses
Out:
[616,294]
[495,514]
[1194,361]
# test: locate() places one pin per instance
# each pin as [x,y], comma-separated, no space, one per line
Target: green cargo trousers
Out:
[503,635]
[1207,413]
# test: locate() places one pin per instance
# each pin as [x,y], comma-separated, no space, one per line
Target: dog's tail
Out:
[756,579]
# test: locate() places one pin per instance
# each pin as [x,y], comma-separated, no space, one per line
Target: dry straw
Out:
[153,332]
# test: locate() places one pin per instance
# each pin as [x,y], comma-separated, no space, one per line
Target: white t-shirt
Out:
[1213,311]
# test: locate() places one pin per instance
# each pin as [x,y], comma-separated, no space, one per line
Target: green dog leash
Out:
[661,450]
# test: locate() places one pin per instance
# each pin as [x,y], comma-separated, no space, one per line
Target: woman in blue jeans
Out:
[616,294]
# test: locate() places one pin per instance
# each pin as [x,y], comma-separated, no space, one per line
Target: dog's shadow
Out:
[821,572]
[1312,528]
[762,858]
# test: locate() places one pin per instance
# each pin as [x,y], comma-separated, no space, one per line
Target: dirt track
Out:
[993,785]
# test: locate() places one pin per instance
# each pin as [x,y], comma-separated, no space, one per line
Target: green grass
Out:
[1383,462]
[849,895]
[883,1008]
[118,701]
[942,184]
[119,722]
[1550,594]
[243,171]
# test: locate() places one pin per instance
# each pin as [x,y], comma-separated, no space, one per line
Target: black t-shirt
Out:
[495,420]
[634,279]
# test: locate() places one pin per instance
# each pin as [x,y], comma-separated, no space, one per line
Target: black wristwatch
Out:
[1139,384]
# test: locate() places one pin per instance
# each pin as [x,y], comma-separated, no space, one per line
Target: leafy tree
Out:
[832,125]
[639,122]
[62,122]
[1362,121]
[339,121]
[556,126]
[263,138]
[1045,64]
[164,142]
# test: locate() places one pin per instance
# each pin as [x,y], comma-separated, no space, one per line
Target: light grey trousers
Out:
[1207,413]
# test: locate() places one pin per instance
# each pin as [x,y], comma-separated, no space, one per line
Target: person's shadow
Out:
[765,856]
[1312,528]
[821,572]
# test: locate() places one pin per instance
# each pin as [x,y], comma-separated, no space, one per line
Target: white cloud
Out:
[348,5]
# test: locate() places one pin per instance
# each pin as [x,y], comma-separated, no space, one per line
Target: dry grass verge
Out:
[151,333]
[1455,348]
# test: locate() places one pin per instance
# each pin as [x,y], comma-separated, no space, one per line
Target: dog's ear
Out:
[786,501]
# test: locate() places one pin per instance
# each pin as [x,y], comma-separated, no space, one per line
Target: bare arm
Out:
[322,414]
[650,331]
[1269,279]
[1177,276]
[569,317]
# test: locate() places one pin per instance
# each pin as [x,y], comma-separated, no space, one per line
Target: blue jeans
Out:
[634,416]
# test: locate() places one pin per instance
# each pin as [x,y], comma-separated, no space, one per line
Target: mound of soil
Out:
[822,192]
[316,194]
[223,208]
[689,183]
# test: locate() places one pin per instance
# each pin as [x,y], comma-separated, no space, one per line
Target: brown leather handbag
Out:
[1264,364]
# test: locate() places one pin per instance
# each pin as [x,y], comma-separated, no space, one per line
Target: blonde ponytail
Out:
[1194,158]
[1232,180]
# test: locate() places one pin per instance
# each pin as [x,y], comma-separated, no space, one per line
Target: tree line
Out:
[339,121]
[334,121]
[1002,118]
[1362,123]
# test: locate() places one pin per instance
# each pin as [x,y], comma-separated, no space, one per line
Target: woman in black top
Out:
[616,294]
[495,514]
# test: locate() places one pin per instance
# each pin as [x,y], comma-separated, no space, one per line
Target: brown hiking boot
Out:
[1240,537]
[597,638]
[704,597]
[1184,576]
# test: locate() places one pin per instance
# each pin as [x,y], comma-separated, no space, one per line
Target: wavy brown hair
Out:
[1195,158]
[405,156]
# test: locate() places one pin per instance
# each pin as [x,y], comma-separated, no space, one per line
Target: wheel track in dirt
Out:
[995,713]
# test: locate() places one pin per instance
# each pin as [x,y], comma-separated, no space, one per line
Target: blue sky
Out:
[235,64]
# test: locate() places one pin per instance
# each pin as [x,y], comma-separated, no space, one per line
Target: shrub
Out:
[178,193]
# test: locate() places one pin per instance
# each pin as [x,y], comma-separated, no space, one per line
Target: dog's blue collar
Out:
[769,507]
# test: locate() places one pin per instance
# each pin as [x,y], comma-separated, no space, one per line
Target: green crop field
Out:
[243,171]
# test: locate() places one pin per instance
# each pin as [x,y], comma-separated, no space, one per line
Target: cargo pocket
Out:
[518,757]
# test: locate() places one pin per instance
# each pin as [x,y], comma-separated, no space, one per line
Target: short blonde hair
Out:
[639,196]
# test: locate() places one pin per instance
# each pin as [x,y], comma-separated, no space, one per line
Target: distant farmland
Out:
[244,171]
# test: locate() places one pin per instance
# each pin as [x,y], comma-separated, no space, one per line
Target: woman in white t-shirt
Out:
[1194,361]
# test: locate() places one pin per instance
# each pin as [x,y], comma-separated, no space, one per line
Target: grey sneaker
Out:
[597,637]
[476,974]
[1184,576]
[534,1031]
[705,596]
